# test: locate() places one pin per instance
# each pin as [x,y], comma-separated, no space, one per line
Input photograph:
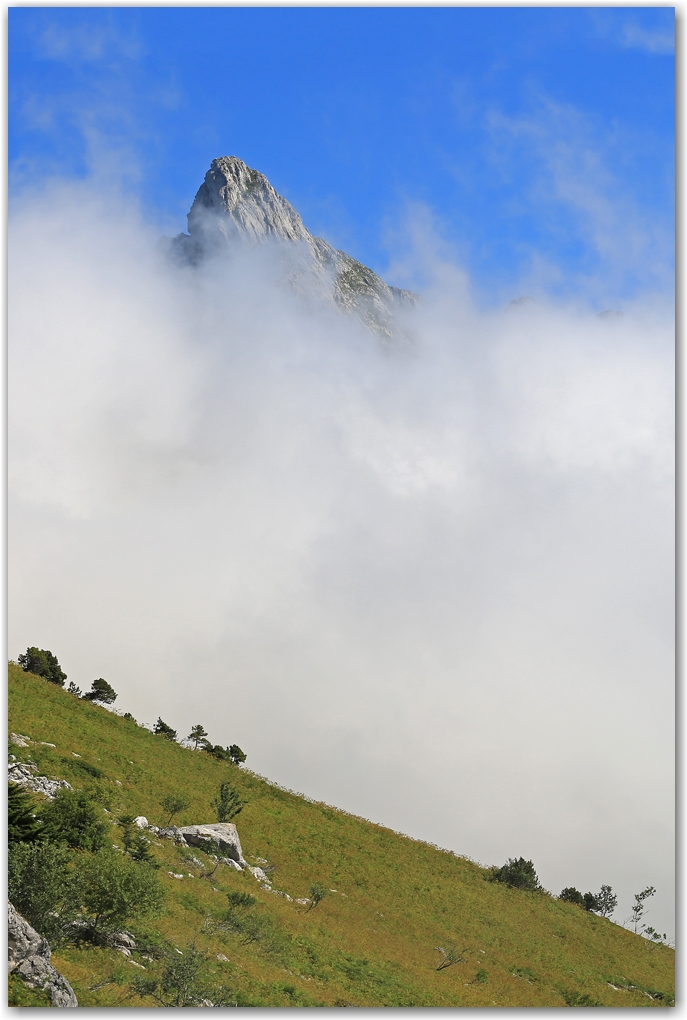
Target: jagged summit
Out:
[237,205]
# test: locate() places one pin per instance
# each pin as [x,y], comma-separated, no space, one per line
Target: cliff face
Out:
[236,205]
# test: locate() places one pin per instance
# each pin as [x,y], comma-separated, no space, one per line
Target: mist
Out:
[429,582]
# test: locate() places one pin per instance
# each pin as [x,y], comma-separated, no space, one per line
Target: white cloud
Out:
[658,41]
[431,585]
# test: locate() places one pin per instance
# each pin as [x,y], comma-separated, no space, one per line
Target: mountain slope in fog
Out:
[404,923]
[236,206]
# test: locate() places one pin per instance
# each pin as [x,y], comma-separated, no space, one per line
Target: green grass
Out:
[373,941]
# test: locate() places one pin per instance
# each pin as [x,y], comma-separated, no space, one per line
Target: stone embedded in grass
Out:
[21,773]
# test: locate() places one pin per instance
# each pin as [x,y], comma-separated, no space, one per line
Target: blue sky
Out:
[537,142]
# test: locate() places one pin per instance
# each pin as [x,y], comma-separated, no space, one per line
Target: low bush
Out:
[518,874]
[74,819]
[41,887]
[113,890]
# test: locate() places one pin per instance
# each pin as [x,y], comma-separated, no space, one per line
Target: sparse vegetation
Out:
[317,893]
[372,944]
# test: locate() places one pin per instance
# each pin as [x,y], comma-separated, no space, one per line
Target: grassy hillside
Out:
[373,941]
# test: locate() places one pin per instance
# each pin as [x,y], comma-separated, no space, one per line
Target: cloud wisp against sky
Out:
[429,583]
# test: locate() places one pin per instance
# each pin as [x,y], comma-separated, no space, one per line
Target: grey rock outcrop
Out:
[29,957]
[236,206]
[25,775]
[221,836]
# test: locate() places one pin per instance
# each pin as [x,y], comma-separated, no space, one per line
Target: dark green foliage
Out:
[236,755]
[227,804]
[164,730]
[41,662]
[22,824]
[135,843]
[216,750]
[74,819]
[140,851]
[182,983]
[129,829]
[197,735]
[579,998]
[114,889]
[590,902]
[482,976]
[317,894]
[41,887]
[101,691]
[518,874]
[73,689]
[241,900]
[85,768]
[129,716]
[572,895]
[173,803]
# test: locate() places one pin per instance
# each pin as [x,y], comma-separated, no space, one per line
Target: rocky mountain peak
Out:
[239,201]
[236,205]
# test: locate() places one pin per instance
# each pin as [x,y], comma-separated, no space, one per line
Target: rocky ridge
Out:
[236,205]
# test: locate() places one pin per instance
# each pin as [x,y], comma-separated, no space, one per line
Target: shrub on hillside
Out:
[518,874]
[22,824]
[317,894]
[113,890]
[572,895]
[184,983]
[73,818]
[41,887]
[227,803]
[43,663]
[164,730]
[173,803]
[101,691]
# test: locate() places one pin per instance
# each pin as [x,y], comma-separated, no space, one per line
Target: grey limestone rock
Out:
[24,775]
[236,206]
[29,957]
[221,836]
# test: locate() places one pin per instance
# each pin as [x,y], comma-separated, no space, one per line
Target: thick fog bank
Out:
[430,583]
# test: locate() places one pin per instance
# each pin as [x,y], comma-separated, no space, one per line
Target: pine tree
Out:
[101,691]
[164,730]
[197,735]
[227,804]
[42,662]
[236,754]
[140,851]
[22,824]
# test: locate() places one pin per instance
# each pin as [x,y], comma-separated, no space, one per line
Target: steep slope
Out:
[373,940]
[237,206]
